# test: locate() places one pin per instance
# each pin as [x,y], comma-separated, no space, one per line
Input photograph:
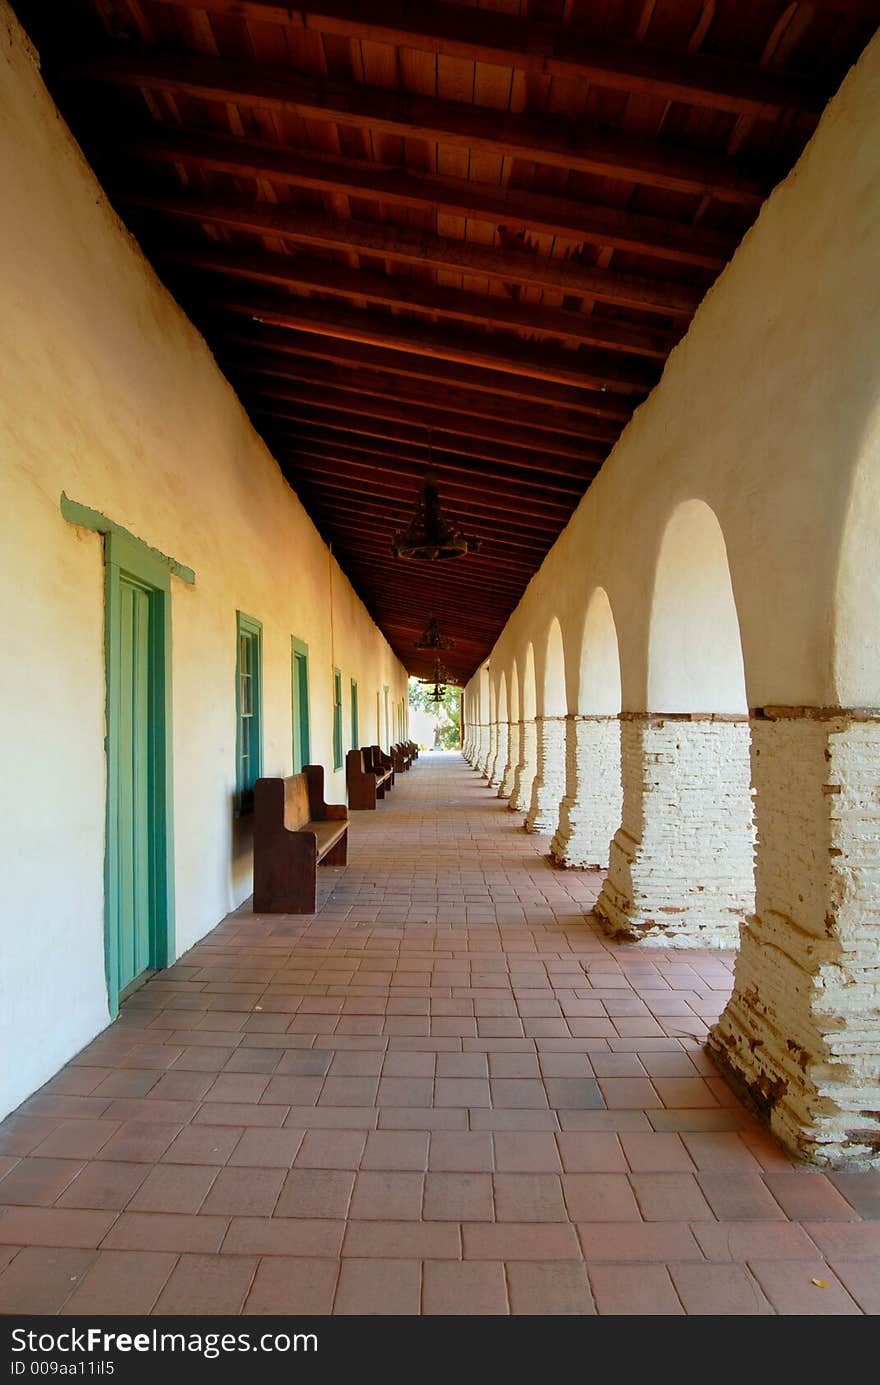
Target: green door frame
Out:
[355,717]
[299,705]
[127,557]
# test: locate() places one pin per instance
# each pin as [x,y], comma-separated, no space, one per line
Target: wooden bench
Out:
[413,749]
[294,830]
[365,784]
[402,757]
[382,764]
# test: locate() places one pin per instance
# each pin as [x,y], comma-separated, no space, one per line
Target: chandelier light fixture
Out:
[431,637]
[431,534]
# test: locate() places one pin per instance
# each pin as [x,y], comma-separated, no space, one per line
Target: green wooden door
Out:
[136,810]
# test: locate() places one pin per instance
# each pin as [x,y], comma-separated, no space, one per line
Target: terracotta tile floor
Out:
[447,1092]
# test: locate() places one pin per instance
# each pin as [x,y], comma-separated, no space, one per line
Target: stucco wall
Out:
[767,412]
[108,393]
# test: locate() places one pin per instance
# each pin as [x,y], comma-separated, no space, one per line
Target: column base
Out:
[681,870]
[590,812]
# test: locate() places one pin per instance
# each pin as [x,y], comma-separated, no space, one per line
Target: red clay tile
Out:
[594,1197]
[53,1226]
[203,1144]
[467,1151]
[402,1240]
[560,1288]
[315,1193]
[458,1197]
[803,1288]
[396,1149]
[41,1280]
[331,1149]
[121,1282]
[476,1288]
[103,1184]
[861,1278]
[753,1241]
[293,1286]
[521,1197]
[204,1285]
[719,1290]
[634,1290]
[36,1182]
[637,1241]
[598,1152]
[656,1153]
[268,1149]
[282,1236]
[139,1141]
[843,1240]
[173,1188]
[387,1196]
[519,1241]
[526,1152]
[379,1286]
[244,1192]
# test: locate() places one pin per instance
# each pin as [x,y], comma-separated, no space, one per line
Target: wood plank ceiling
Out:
[421,232]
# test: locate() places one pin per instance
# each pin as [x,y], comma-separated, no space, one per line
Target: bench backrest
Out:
[297,809]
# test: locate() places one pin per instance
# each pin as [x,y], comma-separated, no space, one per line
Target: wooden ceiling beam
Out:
[541,49]
[551,494]
[456,484]
[458,306]
[508,207]
[542,361]
[384,421]
[560,431]
[379,507]
[551,140]
[408,245]
[506,390]
[419,411]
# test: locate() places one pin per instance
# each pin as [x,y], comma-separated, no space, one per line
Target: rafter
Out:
[450,429]
[466,485]
[584,369]
[553,430]
[446,375]
[541,49]
[406,245]
[548,139]
[510,207]
[417,295]
[380,422]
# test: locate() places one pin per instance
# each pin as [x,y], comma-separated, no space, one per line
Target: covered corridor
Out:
[447,1092]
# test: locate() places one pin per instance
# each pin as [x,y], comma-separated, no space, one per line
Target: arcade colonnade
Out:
[688,695]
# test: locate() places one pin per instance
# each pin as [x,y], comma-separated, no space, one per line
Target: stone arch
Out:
[695,659]
[554,698]
[855,648]
[599,689]
[590,811]
[507,772]
[514,692]
[529,685]
[524,774]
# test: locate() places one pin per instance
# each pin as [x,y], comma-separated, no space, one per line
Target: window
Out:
[355,729]
[337,719]
[299,677]
[248,712]
[387,736]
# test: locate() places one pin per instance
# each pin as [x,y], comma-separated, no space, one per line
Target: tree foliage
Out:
[447,713]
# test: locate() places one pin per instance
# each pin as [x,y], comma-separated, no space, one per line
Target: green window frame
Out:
[337,719]
[300,712]
[248,710]
[355,718]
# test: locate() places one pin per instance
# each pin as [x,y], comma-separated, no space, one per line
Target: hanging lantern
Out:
[431,534]
[431,637]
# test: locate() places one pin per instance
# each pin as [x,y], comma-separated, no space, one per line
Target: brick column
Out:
[801,1032]
[681,868]
[590,811]
[488,759]
[524,774]
[479,736]
[500,762]
[505,788]
[549,785]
